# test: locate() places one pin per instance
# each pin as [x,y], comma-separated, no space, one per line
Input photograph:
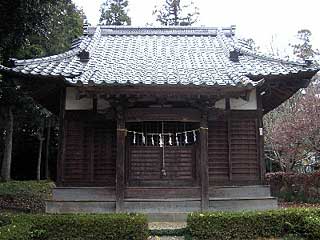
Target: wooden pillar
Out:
[228,111]
[204,162]
[61,150]
[120,171]
[46,171]
[260,137]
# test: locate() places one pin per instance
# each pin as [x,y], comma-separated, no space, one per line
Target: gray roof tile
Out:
[169,55]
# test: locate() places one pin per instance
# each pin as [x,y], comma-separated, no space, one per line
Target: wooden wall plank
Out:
[233,152]
[90,152]
[145,163]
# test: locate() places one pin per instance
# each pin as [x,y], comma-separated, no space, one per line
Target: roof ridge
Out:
[81,44]
[265,56]
[159,30]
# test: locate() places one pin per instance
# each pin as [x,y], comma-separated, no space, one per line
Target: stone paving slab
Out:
[165,238]
[167,225]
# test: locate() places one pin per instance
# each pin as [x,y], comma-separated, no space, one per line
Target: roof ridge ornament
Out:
[234,55]
[84,56]
[309,61]
[12,62]
[85,27]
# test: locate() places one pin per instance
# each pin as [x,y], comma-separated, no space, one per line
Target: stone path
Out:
[167,225]
[165,238]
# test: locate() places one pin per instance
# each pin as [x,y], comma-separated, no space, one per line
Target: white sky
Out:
[261,20]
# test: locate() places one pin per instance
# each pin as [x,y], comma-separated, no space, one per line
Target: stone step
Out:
[80,206]
[240,191]
[243,204]
[108,194]
[167,217]
[162,208]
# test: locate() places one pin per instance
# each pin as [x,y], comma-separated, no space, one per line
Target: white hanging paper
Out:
[160,140]
[152,140]
[134,138]
[177,139]
[194,136]
[185,138]
[143,139]
[170,139]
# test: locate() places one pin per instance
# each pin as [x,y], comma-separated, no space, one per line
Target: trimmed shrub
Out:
[76,227]
[295,187]
[25,196]
[168,232]
[251,225]
[18,229]
[312,223]
[4,220]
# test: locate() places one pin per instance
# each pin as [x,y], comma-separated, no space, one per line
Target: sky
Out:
[268,22]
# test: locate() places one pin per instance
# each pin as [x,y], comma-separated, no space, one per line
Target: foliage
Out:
[252,225]
[18,229]
[114,12]
[31,188]
[176,13]
[24,196]
[303,48]
[293,130]
[4,220]
[313,224]
[295,187]
[32,28]
[72,227]
[168,232]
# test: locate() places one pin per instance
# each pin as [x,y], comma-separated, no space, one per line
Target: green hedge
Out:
[24,196]
[252,225]
[76,227]
[4,220]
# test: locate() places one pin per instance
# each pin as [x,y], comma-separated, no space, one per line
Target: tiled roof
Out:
[170,55]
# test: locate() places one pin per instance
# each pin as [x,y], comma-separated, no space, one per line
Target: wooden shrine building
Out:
[160,119]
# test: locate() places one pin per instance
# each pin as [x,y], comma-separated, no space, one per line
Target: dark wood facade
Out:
[97,150]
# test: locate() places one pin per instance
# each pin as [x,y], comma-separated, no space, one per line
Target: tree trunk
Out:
[47,175]
[7,155]
[40,136]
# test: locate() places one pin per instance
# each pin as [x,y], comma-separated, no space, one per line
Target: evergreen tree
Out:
[303,48]
[114,12]
[174,13]
[30,28]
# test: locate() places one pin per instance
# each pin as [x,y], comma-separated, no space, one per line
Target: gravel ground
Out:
[167,225]
[165,238]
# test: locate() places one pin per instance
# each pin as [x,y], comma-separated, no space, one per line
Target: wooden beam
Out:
[120,162]
[61,150]
[46,172]
[162,114]
[204,161]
